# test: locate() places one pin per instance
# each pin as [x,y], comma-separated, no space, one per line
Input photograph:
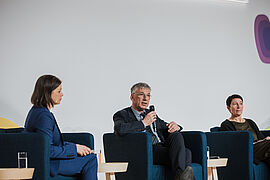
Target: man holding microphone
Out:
[168,143]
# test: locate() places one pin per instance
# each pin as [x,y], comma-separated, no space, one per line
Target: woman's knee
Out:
[91,161]
[92,158]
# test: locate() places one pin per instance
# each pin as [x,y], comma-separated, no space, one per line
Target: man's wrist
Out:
[143,124]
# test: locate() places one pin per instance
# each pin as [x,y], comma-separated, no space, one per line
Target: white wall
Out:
[194,53]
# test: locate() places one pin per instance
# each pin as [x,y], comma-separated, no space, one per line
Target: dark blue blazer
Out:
[126,122]
[41,120]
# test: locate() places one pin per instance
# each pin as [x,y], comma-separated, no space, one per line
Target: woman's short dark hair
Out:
[45,84]
[230,98]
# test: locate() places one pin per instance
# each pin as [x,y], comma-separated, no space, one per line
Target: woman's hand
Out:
[267,138]
[83,150]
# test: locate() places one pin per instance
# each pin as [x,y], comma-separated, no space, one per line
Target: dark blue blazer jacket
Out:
[126,122]
[41,120]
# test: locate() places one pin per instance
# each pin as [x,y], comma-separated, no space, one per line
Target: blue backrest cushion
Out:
[214,129]
[11,130]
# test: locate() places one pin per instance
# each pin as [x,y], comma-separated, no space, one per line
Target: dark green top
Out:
[245,126]
[229,126]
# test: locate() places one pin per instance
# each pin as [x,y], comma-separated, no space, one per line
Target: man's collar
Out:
[136,113]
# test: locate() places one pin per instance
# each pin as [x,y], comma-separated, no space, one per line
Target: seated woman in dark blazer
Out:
[261,144]
[65,158]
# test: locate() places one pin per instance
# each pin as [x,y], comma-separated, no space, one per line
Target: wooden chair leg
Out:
[108,176]
[209,174]
[215,175]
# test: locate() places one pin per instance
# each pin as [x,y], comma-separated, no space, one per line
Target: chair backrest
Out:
[12,130]
[7,124]
[237,146]
[214,129]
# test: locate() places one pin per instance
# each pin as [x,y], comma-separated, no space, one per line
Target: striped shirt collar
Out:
[137,114]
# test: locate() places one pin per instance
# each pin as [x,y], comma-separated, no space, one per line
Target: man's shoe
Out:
[187,174]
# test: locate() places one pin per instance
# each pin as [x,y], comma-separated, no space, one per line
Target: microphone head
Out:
[152,108]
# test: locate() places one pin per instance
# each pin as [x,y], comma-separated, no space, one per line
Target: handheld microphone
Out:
[152,108]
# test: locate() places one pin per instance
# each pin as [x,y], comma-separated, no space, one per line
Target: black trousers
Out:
[172,153]
[261,152]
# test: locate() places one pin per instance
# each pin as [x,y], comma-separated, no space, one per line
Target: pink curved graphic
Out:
[262,37]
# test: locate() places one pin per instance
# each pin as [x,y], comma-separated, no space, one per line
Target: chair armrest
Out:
[80,138]
[237,146]
[134,148]
[196,142]
[37,147]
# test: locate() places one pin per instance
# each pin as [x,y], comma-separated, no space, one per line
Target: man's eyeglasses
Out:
[142,95]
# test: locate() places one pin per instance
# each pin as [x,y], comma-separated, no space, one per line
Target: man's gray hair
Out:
[139,85]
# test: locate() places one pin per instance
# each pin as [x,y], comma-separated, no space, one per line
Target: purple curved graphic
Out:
[262,37]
